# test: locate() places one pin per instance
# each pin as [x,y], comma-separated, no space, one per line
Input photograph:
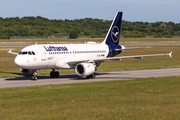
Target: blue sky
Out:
[133,10]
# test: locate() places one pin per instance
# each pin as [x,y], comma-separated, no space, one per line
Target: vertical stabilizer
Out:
[112,37]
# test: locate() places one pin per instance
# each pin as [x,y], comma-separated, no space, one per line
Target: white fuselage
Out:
[57,56]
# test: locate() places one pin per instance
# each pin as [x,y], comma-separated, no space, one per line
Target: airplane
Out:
[84,58]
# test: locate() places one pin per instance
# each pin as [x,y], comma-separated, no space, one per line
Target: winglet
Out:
[170,54]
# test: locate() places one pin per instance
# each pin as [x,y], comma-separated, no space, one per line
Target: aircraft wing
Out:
[12,52]
[116,58]
[137,56]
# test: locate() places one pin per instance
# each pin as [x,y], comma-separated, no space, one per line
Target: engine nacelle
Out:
[27,72]
[85,69]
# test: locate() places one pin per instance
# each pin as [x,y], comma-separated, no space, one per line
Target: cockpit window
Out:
[33,53]
[29,53]
[26,53]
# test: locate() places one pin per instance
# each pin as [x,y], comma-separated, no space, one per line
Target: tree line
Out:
[40,26]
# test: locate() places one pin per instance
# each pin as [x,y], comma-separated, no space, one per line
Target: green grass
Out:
[153,98]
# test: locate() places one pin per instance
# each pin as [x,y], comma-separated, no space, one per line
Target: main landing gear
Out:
[91,76]
[54,74]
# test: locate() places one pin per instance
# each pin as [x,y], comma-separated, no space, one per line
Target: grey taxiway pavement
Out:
[100,76]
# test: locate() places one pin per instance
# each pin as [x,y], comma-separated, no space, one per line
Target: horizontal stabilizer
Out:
[12,52]
[170,54]
[131,48]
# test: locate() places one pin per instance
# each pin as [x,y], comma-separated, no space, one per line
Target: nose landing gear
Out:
[34,76]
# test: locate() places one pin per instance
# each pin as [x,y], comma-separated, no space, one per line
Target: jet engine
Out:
[27,72]
[85,69]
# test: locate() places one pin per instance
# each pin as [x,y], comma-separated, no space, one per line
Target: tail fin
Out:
[112,37]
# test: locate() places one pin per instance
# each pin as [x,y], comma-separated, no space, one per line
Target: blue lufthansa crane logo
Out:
[115,34]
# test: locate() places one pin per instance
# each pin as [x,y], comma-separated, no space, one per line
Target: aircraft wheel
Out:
[34,77]
[88,77]
[93,75]
[56,74]
[52,74]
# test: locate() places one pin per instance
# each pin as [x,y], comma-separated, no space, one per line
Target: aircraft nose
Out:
[18,62]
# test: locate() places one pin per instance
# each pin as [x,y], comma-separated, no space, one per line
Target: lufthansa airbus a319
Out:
[84,58]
